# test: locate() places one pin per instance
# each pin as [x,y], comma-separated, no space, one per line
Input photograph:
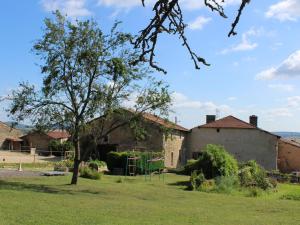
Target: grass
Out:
[115,200]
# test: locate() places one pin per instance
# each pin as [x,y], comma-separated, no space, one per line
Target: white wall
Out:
[244,144]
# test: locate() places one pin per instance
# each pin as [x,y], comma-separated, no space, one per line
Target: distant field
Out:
[50,200]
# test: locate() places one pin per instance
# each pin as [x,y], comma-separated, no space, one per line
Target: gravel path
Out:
[14,173]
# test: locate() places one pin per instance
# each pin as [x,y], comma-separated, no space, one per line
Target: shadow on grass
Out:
[186,184]
[21,186]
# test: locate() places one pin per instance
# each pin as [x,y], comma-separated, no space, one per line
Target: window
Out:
[172,158]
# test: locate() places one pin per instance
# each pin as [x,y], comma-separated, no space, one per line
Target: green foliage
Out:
[208,186]
[226,184]
[64,165]
[58,149]
[119,160]
[96,164]
[190,167]
[214,161]
[252,175]
[87,172]
[197,178]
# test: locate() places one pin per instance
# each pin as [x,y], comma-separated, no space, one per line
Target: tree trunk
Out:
[77,158]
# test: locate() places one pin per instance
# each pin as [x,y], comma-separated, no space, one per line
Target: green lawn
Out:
[49,200]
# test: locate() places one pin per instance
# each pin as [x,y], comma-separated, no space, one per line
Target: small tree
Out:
[86,74]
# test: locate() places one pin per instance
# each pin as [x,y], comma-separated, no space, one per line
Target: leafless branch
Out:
[168,18]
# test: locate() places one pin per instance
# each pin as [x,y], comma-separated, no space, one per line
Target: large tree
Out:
[168,18]
[86,74]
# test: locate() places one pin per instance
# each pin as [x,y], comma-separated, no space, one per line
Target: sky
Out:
[256,72]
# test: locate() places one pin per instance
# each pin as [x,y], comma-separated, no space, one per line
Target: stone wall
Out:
[175,149]
[244,144]
[37,140]
[288,157]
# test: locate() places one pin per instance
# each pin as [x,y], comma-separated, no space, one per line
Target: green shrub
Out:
[252,175]
[226,184]
[64,165]
[190,167]
[208,185]
[197,178]
[58,149]
[214,161]
[96,164]
[87,172]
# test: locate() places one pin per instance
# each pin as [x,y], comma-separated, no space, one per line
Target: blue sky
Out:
[256,72]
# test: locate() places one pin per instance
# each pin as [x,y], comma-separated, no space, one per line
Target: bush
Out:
[87,172]
[64,165]
[197,178]
[252,175]
[96,164]
[215,161]
[226,184]
[58,149]
[190,167]
[208,185]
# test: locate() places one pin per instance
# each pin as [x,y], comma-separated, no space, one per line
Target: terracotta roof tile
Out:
[163,122]
[229,122]
[58,134]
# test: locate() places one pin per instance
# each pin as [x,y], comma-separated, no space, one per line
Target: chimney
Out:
[210,118]
[253,120]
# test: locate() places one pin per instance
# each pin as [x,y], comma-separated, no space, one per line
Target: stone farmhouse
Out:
[245,141]
[10,137]
[40,141]
[155,139]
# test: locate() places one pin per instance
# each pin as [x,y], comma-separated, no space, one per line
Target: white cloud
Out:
[73,8]
[290,67]
[293,101]
[124,4]
[245,44]
[199,23]
[282,87]
[198,4]
[180,101]
[285,10]
[279,112]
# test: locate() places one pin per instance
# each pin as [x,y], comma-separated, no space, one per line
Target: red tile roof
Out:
[58,134]
[233,122]
[163,122]
[229,122]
